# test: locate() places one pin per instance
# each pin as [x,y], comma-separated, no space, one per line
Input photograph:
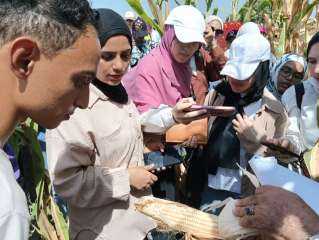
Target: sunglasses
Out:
[218,32]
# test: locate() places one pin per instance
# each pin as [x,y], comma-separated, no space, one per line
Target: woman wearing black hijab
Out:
[96,158]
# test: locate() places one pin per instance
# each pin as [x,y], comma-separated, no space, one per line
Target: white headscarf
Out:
[290,57]
[215,18]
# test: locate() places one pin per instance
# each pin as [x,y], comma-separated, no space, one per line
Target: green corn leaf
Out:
[59,222]
[209,4]
[37,161]
[282,41]
[138,8]
[215,11]
[157,13]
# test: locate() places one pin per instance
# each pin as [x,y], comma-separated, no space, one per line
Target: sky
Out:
[121,6]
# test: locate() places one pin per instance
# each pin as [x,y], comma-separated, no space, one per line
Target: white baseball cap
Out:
[188,22]
[245,54]
[129,16]
[248,27]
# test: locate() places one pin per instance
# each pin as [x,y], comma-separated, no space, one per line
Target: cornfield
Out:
[289,23]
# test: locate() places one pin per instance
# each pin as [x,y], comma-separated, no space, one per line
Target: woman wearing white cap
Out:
[248,27]
[129,18]
[233,140]
[163,77]
[268,206]
[253,28]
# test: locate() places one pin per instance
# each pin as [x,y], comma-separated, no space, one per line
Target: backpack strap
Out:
[300,91]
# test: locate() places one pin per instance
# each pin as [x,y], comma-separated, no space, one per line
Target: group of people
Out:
[69,68]
[144,37]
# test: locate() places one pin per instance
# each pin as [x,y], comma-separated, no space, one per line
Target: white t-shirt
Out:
[14,215]
[303,128]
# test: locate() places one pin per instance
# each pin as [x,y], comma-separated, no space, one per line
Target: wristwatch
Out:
[314,237]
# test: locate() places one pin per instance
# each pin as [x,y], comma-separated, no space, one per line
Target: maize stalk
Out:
[194,223]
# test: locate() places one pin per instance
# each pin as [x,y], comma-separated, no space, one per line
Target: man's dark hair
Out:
[56,24]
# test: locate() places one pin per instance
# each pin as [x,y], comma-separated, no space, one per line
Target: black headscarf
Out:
[223,146]
[313,41]
[110,24]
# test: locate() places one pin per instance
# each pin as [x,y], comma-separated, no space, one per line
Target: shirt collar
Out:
[95,96]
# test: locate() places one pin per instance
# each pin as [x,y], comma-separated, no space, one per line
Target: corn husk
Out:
[311,158]
[228,226]
[194,223]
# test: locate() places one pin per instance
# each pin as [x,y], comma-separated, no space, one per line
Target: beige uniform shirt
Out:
[88,159]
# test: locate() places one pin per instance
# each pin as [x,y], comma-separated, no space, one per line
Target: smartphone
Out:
[299,162]
[161,160]
[280,149]
[223,111]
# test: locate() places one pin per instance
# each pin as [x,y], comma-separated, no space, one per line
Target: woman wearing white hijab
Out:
[288,70]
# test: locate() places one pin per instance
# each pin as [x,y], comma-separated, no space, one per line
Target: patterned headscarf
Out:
[272,84]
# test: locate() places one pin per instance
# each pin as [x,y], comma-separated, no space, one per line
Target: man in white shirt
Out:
[48,56]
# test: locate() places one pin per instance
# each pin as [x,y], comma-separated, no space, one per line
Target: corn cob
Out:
[196,224]
[179,217]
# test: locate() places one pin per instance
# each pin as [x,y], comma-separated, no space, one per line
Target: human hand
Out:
[279,213]
[191,142]
[284,143]
[155,146]
[181,115]
[209,34]
[141,178]
[245,129]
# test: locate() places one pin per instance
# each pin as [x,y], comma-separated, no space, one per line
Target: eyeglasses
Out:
[287,72]
[218,32]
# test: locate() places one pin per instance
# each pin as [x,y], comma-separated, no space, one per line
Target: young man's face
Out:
[59,84]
